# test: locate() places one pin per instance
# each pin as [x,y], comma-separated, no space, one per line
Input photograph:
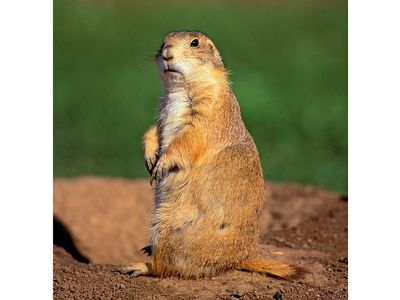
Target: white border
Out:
[374,135]
[26,149]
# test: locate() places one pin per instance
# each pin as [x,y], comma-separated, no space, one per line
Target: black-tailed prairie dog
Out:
[206,171]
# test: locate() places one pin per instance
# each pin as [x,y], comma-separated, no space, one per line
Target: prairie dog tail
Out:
[270,267]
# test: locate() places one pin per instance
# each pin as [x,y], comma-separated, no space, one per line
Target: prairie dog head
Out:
[189,56]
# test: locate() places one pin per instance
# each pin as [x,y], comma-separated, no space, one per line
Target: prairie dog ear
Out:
[216,56]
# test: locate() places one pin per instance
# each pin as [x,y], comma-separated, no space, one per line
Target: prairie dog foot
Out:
[137,269]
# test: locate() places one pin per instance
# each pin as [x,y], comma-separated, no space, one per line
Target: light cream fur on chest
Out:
[173,115]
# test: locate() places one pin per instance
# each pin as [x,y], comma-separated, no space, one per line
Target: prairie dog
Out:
[206,171]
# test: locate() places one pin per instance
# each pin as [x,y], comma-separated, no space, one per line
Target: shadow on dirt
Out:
[63,239]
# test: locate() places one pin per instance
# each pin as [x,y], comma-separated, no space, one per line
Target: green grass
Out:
[288,66]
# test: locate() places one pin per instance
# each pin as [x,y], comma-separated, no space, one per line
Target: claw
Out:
[136,269]
[136,274]
[156,173]
[150,163]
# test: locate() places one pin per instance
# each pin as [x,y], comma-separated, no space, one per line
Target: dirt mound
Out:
[101,222]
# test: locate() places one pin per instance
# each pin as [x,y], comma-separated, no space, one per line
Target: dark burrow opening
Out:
[63,238]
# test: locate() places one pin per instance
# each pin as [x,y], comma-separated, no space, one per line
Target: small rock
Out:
[343,260]
[237,294]
[277,296]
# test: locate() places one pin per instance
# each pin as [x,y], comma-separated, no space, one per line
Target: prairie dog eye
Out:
[194,43]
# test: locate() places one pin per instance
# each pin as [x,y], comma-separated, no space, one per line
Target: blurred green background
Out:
[288,63]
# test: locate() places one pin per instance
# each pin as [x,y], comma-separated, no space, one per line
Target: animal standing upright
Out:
[206,171]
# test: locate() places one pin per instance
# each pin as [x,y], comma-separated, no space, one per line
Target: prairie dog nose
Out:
[167,53]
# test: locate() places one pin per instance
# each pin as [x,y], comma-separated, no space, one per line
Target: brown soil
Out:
[105,222]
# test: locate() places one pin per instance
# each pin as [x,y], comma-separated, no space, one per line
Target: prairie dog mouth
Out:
[169,70]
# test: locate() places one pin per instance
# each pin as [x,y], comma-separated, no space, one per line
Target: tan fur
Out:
[206,171]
